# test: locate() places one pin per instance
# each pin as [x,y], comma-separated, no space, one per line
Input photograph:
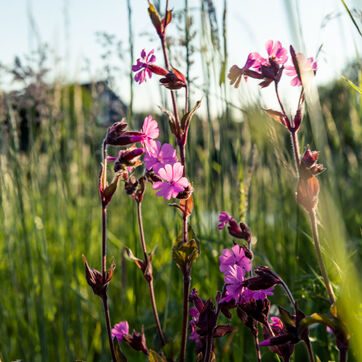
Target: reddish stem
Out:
[108,323]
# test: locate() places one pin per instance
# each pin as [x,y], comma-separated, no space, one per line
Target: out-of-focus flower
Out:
[260,68]
[306,66]
[151,132]
[145,67]
[224,218]
[160,156]
[235,256]
[308,185]
[119,330]
[175,182]
[276,324]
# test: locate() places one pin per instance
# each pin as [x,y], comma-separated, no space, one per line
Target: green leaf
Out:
[286,317]
[155,357]
[351,16]
[185,253]
[351,84]
[120,357]
[316,318]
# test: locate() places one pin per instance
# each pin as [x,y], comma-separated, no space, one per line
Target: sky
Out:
[69,28]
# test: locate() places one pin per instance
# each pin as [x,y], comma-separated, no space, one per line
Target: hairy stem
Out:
[313,221]
[149,280]
[257,348]
[185,317]
[108,323]
[104,241]
[295,144]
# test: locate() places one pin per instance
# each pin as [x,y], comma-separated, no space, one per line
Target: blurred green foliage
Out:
[240,162]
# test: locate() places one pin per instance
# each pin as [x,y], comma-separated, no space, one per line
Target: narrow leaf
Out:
[185,121]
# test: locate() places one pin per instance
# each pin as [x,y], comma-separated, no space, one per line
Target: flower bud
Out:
[95,279]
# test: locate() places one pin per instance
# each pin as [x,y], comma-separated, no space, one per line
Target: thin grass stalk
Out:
[314,222]
[150,279]
[131,54]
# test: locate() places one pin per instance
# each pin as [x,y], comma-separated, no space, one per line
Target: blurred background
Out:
[65,76]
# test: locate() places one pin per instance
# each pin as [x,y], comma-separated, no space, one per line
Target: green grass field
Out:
[50,215]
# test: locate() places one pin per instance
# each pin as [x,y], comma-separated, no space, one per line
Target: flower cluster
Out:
[270,69]
[234,264]
[161,159]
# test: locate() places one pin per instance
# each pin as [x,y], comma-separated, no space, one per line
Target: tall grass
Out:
[50,216]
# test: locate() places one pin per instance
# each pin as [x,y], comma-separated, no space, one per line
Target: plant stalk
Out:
[208,353]
[185,317]
[149,280]
[313,221]
[108,323]
[104,297]
[309,349]
[257,348]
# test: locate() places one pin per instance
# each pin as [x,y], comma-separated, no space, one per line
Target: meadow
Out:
[239,160]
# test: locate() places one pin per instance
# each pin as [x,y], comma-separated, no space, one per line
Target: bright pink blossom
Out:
[120,330]
[234,283]
[234,257]
[160,156]
[276,52]
[276,324]
[235,287]
[224,218]
[175,182]
[142,66]
[151,132]
[306,65]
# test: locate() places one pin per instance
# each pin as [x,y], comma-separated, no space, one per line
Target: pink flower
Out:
[257,294]
[224,218]
[306,65]
[276,324]
[276,52]
[258,67]
[175,182]
[160,156]
[142,66]
[150,131]
[120,330]
[234,283]
[234,257]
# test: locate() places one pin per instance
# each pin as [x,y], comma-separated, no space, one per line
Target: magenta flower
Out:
[224,218]
[234,257]
[142,66]
[175,182]
[261,68]
[276,324]
[150,131]
[306,65]
[234,283]
[276,52]
[160,156]
[120,330]
[257,294]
